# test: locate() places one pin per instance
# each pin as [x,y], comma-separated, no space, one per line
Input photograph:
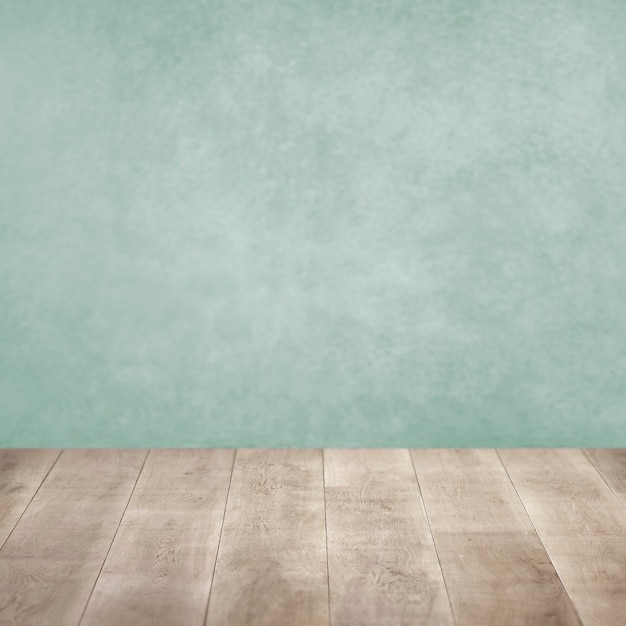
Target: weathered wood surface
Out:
[473,537]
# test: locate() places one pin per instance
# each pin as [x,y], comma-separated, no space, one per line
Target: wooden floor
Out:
[313,537]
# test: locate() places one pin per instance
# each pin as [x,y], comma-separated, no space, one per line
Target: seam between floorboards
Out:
[219,541]
[432,535]
[606,482]
[106,556]
[540,539]
[19,519]
[326,535]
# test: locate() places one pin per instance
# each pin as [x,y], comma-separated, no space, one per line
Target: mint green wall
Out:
[264,223]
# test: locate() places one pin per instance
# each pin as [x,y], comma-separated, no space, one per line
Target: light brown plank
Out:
[496,569]
[49,564]
[611,463]
[582,525]
[271,566]
[160,566]
[21,474]
[383,568]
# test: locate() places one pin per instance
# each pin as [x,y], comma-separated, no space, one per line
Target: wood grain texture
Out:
[611,463]
[496,569]
[49,564]
[582,525]
[21,474]
[271,566]
[383,568]
[81,545]
[161,563]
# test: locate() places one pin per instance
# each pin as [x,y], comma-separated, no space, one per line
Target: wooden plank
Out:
[383,568]
[161,563]
[271,566]
[611,463]
[495,566]
[582,525]
[21,474]
[49,564]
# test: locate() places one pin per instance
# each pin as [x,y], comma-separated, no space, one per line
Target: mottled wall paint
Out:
[367,222]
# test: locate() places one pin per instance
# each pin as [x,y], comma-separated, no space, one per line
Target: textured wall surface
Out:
[307,223]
